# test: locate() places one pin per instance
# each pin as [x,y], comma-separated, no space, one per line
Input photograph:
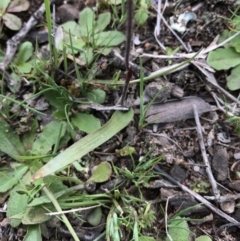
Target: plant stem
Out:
[63,216]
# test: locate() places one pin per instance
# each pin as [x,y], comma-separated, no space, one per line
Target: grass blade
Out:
[118,121]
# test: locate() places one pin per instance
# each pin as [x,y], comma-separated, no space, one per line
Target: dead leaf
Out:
[176,110]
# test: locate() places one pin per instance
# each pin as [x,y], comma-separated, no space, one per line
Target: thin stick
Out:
[204,155]
[212,80]
[12,44]
[196,195]
[129,28]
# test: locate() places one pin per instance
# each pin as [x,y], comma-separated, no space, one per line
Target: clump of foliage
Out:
[89,34]
[7,7]
[228,57]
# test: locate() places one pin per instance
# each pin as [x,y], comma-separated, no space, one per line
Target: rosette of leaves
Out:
[227,58]
[89,35]
[7,7]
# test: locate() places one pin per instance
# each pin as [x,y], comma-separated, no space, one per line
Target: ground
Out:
[131,130]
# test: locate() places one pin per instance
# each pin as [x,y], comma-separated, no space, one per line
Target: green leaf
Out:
[86,21]
[97,96]
[223,36]
[24,68]
[10,177]
[125,151]
[59,115]
[203,238]
[17,204]
[146,238]
[28,138]
[94,218]
[35,215]
[77,45]
[54,183]
[109,38]
[44,199]
[141,16]
[18,6]
[222,59]
[118,121]
[25,52]
[33,233]
[86,122]
[178,230]
[71,27]
[16,84]
[233,81]
[104,51]
[102,22]
[235,43]
[102,173]
[56,99]
[115,2]
[3,6]
[87,55]
[48,137]
[12,22]
[9,141]
[72,31]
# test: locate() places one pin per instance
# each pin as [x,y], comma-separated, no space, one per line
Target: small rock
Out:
[178,173]
[228,206]
[220,163]
[161,90]
[235,185]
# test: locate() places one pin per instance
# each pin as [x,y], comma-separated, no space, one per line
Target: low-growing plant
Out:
[235,120]
[7,7]
[142,13]
[178,229]
[48,193]
[89,35]
[228,57]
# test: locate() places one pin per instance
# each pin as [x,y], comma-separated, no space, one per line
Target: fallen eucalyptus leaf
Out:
[176,110]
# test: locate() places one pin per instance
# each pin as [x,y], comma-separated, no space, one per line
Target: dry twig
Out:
[204,154]
[13,43]
[197,196]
